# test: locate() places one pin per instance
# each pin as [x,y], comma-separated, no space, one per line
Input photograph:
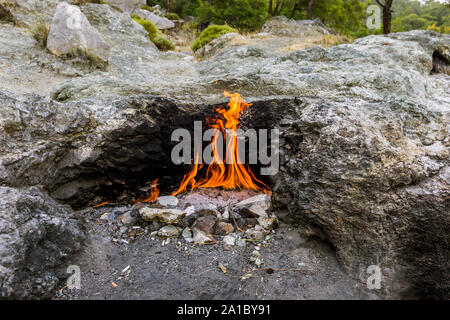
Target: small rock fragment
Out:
[229,240]
[189,210]
[205,224]
[241,242]
[154,226]
[258,211]
[222,267]
[169,231]
[223,228]
[129,218]
[168,216]
[226,214]
[108,216]
[187,221]
[202,238]
[256,233]
[268,223]
[263,200]
[256,258]
[167,201]
[187,235]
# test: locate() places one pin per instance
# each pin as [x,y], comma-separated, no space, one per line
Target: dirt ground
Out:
[143,267]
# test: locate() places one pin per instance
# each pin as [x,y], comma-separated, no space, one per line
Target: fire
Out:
[154,193]
[229,175]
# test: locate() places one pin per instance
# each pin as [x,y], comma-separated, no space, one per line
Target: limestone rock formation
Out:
[159,22]
[36,234]
[364,134]
[72,34]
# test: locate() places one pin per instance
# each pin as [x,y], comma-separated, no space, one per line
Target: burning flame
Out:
[154,193]
[232,175]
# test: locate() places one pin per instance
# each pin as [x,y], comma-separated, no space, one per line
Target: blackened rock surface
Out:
[77,149]
[36,234]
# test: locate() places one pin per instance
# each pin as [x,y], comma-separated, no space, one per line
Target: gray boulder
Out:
[282,26]
[72,34]
[161,23]
[36,235]
[26,13]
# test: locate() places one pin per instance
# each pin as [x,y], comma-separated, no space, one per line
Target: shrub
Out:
[172,16]
[162,43]
[434,27]
[209,34]
[245,15]
[148,8]
[40,31]
[148,26]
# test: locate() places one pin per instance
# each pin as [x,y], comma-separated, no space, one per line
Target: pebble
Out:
[189,210]
[229,240]
[169,231]
[187,235]
[167,201]
[263,200]
[168,216]
[129,218]
[108,216]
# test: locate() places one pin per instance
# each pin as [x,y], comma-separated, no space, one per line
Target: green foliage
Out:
[172,16]
[245,15]
[186,7]
[209,34]
[148,8]
[345,16]
[148,26]
[409,15]
[161,42]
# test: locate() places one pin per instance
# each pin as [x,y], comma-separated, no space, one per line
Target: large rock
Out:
[27,12]
[72,34]
[36,235]
[282,26]
[159,22]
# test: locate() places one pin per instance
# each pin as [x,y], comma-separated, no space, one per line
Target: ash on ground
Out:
[206,244]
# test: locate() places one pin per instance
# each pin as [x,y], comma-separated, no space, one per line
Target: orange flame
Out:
[101,204]
[232,175]
[154,193]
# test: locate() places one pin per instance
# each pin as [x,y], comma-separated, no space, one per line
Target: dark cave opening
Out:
[134,156]
[440,64]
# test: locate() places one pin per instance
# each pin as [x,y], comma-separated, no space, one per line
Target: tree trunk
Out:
[309,12]
[270,7]
[295,9]
[277,8]
[168,5]
[387,16]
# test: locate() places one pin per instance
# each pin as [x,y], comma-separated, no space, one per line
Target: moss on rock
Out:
[209,34]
